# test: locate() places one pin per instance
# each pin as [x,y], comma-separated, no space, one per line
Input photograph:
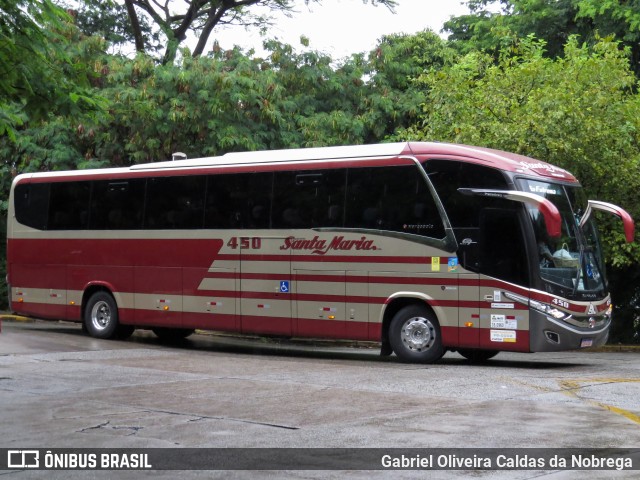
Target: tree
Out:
[117,23]
[491,24]
[618,17]
[391,100]
[202,16]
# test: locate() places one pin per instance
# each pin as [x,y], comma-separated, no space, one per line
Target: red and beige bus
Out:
[423,247]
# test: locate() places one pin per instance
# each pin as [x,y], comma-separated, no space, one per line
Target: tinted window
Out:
[238,200]
[69,205]
[175,202]
[502,246]
[488,230]
[309,199]
[117,204]
[392,198]
[31,202]
[448,176]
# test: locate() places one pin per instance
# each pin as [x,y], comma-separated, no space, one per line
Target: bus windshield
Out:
[572,265]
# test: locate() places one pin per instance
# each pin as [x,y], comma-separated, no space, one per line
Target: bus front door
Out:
[504,269]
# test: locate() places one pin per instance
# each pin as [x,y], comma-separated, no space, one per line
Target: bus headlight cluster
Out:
[539,306]
[548,310]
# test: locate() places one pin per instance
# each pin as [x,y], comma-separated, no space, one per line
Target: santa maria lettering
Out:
[319,246]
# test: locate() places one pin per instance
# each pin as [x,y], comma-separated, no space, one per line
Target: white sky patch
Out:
[342,27]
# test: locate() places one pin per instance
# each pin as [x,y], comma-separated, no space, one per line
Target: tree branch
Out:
[135,25]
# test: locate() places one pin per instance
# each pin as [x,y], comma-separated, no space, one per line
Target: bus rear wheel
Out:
[101,317]
[414,335]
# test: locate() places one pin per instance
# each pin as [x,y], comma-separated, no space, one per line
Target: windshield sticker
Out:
[503,336]
[435,264]
[452,264]
[543,189]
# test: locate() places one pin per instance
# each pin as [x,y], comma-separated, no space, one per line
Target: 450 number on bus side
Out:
[245,243]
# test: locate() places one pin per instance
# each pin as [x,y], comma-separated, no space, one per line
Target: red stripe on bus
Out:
[115,252]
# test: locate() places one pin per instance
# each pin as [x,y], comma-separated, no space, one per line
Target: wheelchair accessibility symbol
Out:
[284,287]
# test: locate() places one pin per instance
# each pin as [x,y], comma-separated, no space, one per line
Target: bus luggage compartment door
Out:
[265,286]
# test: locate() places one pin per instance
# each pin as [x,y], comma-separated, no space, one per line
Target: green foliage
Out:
[614,11]
[491,24]
[37,75]
[231,101]
[391,99]
[108,19]
[489,29]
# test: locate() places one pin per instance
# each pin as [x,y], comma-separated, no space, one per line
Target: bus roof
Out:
[497,158]
[422,150]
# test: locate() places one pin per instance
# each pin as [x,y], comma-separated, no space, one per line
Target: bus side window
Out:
[464,211]
[309,199]
[69,206]
[32,204]
[241,200]
[175,202]
[392,198]
[117,204]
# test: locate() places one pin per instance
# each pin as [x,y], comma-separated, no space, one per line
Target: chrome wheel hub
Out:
[418,334]
[101,315]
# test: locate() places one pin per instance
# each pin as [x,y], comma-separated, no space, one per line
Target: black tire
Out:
[414,334]
[172,334]
[477,356]
[101,316]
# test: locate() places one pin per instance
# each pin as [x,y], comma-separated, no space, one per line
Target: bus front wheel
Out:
[101,316]
[414,334]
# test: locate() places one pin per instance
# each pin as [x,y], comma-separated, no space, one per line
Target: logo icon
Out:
[23,459]
[284,286]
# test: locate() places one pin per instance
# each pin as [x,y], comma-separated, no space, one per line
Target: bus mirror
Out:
[627,221]
[547,209]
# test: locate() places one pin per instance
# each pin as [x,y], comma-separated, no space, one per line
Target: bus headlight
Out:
[549,310]
[539,306]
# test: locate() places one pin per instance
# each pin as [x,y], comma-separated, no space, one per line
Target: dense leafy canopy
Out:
[491,24]
[553,79]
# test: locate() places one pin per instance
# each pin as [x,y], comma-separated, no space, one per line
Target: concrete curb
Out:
[7,317]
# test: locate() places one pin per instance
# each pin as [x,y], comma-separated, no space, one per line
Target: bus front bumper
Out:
[550,335]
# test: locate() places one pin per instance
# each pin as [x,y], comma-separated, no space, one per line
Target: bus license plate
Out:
[586,342]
